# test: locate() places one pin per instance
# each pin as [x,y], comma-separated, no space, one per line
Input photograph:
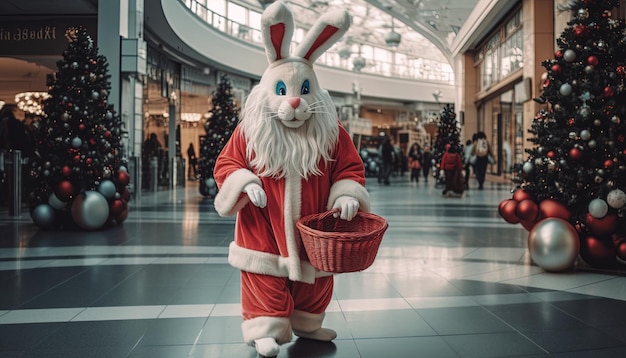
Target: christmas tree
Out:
[222,121]
[447,133]
[576,170]
[81,178]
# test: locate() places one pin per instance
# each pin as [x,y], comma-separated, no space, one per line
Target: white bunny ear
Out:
[327,30]
[277,29]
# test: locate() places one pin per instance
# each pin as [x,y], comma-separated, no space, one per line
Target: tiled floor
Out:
[451,279]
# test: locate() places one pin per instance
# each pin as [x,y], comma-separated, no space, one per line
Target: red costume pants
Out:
[273,306]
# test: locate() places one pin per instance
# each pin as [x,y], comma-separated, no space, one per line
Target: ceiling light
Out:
[266,3]
[393,38]
[31,102]
[344,52]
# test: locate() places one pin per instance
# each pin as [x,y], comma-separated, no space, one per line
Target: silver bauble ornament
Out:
[569,55]
[553,244]
[43,215]
[598,208]
[90,210]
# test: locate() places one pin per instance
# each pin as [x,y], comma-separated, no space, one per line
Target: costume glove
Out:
[348,207]
[256,194]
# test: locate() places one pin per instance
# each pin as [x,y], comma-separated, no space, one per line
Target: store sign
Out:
[41,36]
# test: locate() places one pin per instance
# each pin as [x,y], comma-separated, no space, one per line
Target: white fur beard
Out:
[277,151]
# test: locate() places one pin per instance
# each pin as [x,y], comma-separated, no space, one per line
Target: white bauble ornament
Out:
[616,198]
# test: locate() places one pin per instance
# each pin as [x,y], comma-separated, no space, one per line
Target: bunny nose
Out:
[294,102]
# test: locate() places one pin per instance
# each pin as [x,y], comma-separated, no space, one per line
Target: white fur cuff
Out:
[349,188]
[278,328]
[229,200]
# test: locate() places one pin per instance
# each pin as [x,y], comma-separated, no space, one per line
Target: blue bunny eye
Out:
[306,88]
[281,88]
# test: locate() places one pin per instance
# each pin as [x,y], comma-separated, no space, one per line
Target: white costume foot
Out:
[322,334]
[266,347]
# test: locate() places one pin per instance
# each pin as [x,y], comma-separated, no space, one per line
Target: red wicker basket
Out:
[336,245]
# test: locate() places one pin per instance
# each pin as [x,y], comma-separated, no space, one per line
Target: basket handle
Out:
[329,213]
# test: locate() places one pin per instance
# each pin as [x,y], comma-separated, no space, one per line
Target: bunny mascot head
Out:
[288,119]
[287,158]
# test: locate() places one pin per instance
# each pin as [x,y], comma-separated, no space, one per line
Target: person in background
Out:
[193,163]
[427,162]
[387,153]
[467,165]
[482,150]
[415,162]
[452,165]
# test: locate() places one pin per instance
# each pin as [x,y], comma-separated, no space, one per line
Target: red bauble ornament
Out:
[520,195]
[116,208]
[126,195]
[602,226]
[608,163]
[580,30]
[571,122]
[608,91]
[592,60]
[507,210]
[107,134]
[621,250]
[92,141]
[621,71]
[528,225]
[123,178]
[66,171]
[575,153]
[597,252]
[527,210]
[549,208]
[77,158]
[64,190]
[122,216]
[88,161]
[558,54]
[550,154]
[81,127]
[555,68]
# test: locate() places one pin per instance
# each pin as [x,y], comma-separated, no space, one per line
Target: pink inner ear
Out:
[321,39]
[277,33]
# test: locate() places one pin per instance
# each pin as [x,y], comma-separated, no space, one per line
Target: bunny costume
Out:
[288,157]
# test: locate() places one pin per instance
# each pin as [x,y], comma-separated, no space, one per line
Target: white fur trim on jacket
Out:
[350,188]
[229,200]
[265,263]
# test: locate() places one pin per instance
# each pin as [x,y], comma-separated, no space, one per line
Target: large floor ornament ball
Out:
[597,252]
[43,215]
[553,244]
[549,208]
[527,210]
[520,195]
[602,226]
[107,189]
[90,210]
[507,210]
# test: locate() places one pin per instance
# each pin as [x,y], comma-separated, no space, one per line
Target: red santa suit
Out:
[281,291]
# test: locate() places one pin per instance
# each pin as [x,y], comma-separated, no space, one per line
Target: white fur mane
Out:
[277,151]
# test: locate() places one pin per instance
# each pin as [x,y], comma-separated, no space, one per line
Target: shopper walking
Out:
[452,165]
[482,150]
[192,171]
[387,154]
[427,162]
[415,162]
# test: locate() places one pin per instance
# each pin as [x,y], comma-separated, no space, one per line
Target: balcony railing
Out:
[429,70]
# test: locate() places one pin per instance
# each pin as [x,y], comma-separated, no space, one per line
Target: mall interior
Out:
[451,278]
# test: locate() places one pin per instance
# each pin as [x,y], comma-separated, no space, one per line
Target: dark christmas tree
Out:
[222,121]
[81,178]
[447,134]
[576,170]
